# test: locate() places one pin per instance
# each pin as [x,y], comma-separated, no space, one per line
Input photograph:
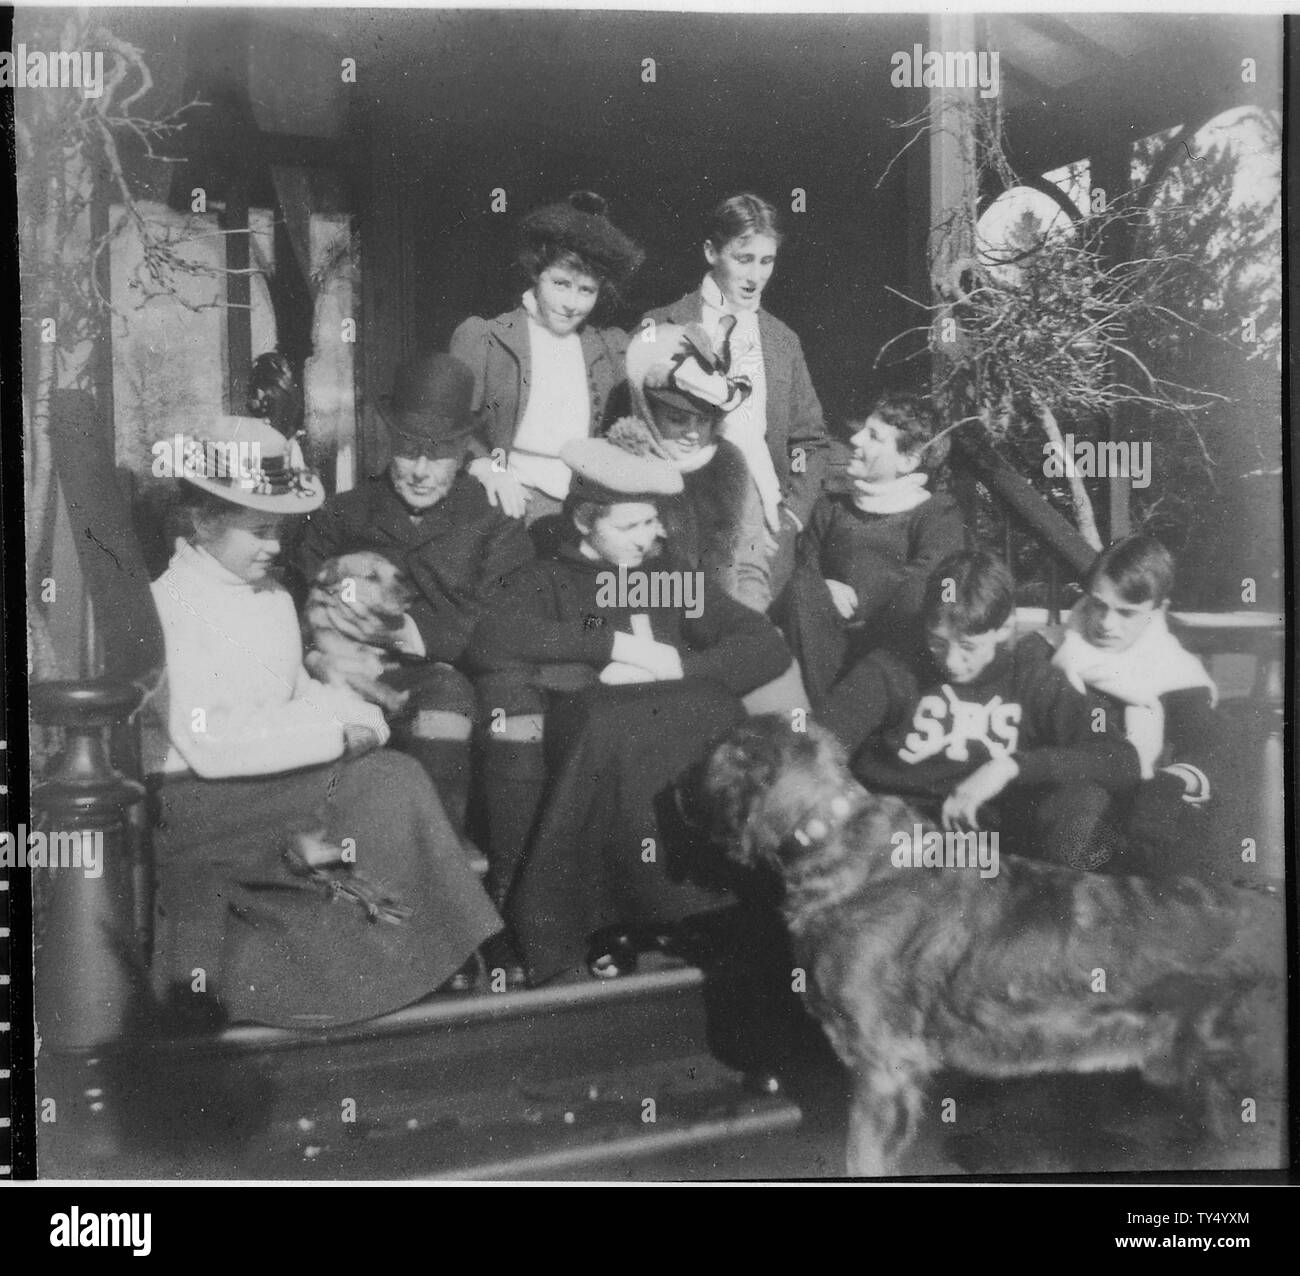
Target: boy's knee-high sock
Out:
[447,764]
[514,778]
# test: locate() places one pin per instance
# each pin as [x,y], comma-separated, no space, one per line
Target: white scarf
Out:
[891,496]
[746,425]
[1154,665]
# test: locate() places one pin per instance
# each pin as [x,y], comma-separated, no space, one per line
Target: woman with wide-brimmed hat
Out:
[543,372]
[680,390]
[306,875]
[643,660]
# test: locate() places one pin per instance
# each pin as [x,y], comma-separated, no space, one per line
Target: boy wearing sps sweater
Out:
[980,735]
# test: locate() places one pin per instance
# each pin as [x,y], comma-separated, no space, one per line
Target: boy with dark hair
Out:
[870,547]
[1117,645]
[971,722]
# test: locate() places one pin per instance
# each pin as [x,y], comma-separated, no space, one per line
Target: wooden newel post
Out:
[84,981]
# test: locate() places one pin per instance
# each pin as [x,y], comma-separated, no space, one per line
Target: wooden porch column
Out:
[953,199]
[954,192]
[1109,169]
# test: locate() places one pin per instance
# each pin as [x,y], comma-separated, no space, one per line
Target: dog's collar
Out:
[817,828]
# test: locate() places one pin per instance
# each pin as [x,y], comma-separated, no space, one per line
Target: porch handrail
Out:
[1271,623]
[973,449]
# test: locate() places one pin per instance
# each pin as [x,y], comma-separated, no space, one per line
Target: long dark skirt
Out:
[272,947]
[606,850]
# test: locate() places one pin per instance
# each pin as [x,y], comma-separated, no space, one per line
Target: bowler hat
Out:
[429,408]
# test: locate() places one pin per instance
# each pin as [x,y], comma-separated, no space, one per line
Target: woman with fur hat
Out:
[306,875]
[543,375]
[643,661]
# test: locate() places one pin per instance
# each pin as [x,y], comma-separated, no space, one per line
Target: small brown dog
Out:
[1029,969]
[357,594]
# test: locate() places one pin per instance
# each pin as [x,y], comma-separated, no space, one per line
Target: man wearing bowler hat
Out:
[435,523]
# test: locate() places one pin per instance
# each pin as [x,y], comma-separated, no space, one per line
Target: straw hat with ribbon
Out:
[248,462]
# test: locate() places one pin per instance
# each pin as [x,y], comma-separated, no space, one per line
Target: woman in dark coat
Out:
[642,684]
[543,374]
[306,876]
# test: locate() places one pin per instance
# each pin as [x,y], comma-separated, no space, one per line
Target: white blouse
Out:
[239,701]
[556,407]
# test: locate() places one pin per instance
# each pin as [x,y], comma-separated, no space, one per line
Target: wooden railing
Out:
[1066,555]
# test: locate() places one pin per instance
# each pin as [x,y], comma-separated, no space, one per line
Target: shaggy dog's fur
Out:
[370,593]
[1036,970]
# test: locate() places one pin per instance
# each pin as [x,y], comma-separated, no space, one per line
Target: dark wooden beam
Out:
[1058,128]
[1054,192]
[1060,31]
[1109,168]
[974,451]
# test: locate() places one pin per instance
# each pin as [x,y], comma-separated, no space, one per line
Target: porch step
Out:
[528,1084]
[594,1122]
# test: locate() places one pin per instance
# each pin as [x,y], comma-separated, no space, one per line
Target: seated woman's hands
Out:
[503,488]
[364,730]
[663,663]
[845,598]
[316,850]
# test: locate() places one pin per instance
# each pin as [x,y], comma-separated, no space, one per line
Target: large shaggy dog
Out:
[353,614]
[1034,969]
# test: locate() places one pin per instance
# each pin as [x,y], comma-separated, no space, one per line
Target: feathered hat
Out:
[678,367]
